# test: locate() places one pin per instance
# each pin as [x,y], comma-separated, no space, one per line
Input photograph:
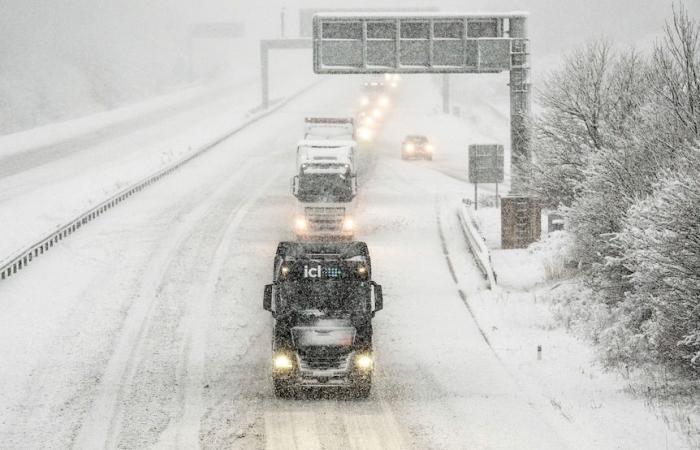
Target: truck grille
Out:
[323,361]
[325,219]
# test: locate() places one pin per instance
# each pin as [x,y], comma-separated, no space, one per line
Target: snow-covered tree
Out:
[593,102]
[661,241]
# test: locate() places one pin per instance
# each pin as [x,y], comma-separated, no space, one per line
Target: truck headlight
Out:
[365,134]
[364,361]
[409,147]
[300,223]
[348,224]
[282,362]
[430,147]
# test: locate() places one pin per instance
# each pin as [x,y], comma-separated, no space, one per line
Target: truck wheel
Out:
[282,388]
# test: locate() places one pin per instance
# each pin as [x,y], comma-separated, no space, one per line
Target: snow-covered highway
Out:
[146,328]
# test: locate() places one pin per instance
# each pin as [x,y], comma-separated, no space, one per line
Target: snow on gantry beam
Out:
[411,42]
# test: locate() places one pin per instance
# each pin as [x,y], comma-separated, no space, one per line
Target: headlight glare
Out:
[282,362]
[348,224]
[364,362]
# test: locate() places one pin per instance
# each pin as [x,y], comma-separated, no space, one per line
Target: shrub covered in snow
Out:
[660,247]
[616,149]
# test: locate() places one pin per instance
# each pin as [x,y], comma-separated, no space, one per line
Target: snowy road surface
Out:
[146,328]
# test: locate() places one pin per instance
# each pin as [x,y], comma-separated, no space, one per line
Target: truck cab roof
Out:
[322,251]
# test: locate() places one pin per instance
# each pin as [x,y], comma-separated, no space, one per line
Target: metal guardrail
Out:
[477,244]
[20,259]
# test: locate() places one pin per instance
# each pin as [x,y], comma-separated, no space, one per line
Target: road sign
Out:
[486,163]
[413,43]
[306,14]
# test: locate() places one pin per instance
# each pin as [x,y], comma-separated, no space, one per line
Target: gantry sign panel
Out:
[415,43]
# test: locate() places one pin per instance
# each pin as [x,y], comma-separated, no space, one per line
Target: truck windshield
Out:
[325,187]
[327,295]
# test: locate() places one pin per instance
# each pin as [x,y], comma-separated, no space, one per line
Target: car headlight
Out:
[364,361]
[348,224]
[300,223]
[409,147]
[282,362]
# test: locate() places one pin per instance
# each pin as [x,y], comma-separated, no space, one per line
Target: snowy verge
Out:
[477,244]
[17,261]
[533,309]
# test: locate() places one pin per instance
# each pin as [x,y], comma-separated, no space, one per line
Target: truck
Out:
[322,300]
[326,181]
[325,192]
[328,138]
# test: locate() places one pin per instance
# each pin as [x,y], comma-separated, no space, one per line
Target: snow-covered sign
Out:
[306,14]
[486,163]
[415,42]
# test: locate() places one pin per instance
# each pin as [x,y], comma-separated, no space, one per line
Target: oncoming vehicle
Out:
[416,146]
[322,300]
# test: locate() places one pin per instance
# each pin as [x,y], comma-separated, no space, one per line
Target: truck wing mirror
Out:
[295,185]
[378,298]
[267,298]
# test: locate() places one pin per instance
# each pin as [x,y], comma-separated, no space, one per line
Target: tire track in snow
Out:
[103,422]
[193,408]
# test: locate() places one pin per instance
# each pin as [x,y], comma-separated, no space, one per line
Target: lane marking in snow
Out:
[102,422]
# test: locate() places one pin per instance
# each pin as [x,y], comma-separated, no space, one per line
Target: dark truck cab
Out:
[323,300]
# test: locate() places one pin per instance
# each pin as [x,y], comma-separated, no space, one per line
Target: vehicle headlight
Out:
[377,113]
[429,147]
[282,362]
[364,361]
[364,134]
[300,223]
[409,147]
[383,100]
[348,224]
[364,101]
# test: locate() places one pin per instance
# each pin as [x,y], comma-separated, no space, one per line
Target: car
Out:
[417,146]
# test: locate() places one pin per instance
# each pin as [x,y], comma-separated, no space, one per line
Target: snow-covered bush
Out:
[555,252]
[661,242]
